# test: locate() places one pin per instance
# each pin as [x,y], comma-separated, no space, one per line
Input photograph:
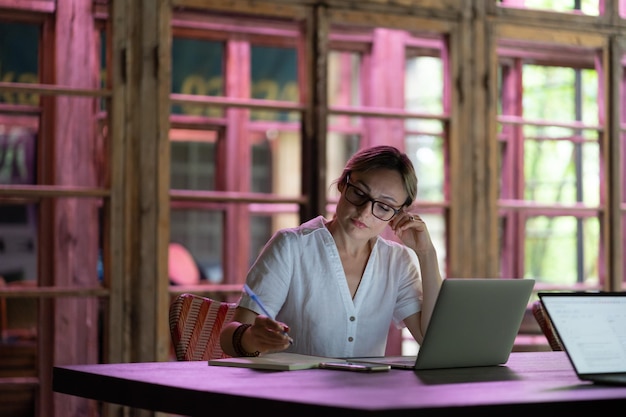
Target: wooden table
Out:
[531,382]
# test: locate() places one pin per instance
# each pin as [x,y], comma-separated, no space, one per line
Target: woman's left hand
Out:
[412,231]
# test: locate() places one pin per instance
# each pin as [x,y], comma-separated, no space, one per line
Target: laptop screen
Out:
[592,328]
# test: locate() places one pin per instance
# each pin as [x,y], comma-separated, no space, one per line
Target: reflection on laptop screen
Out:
[592,328]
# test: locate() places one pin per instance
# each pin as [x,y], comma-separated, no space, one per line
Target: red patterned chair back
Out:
[546,325]
[195,325]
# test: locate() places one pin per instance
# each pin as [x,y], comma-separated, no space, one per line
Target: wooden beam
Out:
[76,226]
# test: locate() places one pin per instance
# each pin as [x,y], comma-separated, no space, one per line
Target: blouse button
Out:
[350,339]
[352,318]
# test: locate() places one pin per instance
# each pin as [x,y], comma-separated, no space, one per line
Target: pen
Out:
[257,300]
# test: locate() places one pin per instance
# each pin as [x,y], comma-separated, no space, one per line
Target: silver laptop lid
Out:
[474,323]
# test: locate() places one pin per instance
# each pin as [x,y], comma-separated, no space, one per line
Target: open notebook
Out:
[592,330]
[279,361]
[474,323]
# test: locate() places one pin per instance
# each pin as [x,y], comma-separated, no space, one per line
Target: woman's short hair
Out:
[382,157]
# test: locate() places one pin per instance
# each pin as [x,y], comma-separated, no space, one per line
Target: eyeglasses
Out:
[358,197]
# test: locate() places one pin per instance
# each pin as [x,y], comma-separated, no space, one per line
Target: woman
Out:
[335,286]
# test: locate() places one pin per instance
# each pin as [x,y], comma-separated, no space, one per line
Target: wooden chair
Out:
[195,325]
[546,325]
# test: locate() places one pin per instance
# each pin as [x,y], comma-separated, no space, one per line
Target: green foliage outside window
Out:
[561,166]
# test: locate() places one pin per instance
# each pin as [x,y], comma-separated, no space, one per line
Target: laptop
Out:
[474,323]
[592,330]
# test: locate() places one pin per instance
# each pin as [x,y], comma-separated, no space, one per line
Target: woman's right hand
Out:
[266,335]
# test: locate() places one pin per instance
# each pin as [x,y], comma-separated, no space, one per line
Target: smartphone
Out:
[356,367]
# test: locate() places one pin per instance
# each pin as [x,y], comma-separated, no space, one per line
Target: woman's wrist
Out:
[238,341]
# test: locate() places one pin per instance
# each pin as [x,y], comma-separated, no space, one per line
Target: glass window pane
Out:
[18,242]
[193,161]
[274,77]
[18,222]
[424,84]
[276,157]
[561,171]
[274,73]
[18,149]
[339,149]
[427,154]
[560,94]
[197,68]
[344,78]
[553,254]
[200,232]
[588,7]
[550,154]
[19,60]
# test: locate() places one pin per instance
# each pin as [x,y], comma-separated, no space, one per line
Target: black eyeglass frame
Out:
[368,199]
